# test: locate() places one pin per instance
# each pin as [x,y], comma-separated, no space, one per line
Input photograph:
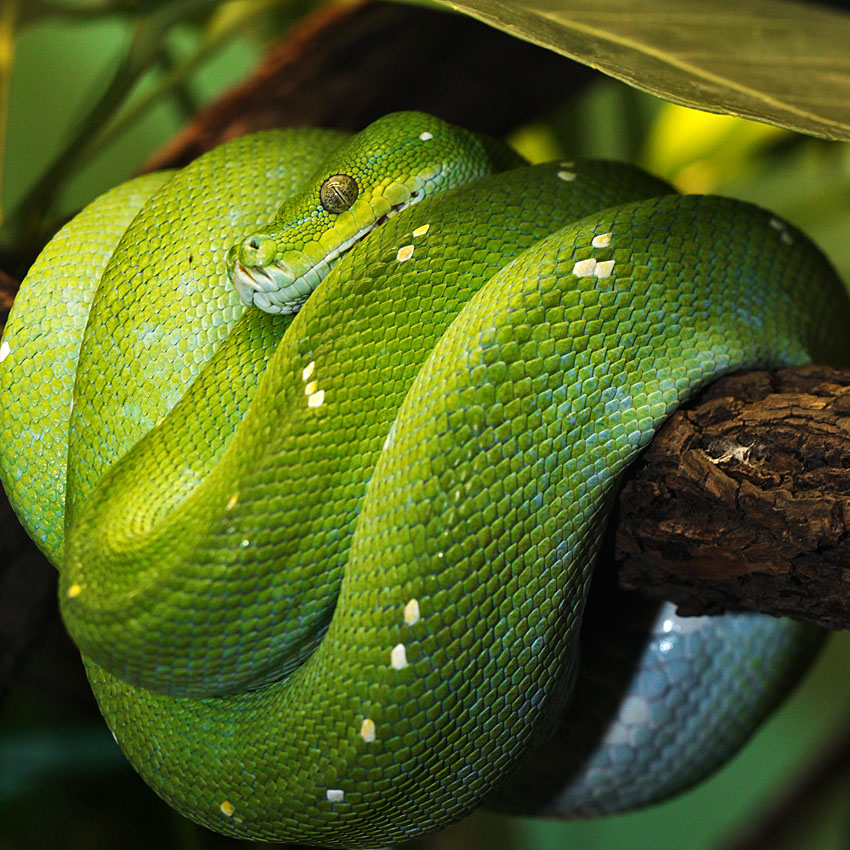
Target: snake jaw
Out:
[257,284]
[277,288]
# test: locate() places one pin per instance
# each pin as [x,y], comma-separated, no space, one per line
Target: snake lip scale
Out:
[274,288]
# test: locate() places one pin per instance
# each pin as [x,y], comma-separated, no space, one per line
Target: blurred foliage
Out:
[63,782]
[72,127]
[804,179]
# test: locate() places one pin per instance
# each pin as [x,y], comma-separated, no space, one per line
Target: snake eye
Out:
[338,193]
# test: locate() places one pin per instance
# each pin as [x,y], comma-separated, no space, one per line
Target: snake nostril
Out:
[258,250]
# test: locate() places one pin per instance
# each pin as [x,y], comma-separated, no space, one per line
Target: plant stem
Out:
[213,39]
[25,227]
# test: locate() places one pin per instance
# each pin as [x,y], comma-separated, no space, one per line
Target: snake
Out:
[323,431]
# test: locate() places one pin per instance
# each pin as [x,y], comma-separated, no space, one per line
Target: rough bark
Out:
[743,500]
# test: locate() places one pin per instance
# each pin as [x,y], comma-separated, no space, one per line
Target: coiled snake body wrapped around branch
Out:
[327,564]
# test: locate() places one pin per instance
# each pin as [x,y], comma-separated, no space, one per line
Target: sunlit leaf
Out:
[782,62]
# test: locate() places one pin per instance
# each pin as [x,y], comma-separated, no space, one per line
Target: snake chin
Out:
[276,288]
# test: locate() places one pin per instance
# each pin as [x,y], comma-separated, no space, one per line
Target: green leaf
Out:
[777,61]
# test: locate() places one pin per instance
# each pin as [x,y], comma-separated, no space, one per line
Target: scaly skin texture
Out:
[327,572]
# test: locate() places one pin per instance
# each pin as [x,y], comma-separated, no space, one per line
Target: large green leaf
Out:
[782,62]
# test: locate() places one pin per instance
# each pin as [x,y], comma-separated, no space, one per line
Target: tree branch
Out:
[345,65]
[742,500]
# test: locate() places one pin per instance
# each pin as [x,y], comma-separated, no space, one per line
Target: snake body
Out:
[327,564]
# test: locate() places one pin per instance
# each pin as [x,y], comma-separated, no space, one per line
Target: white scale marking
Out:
[335,795]
[398,657]
[411,612]
[776,224]
[588,268]
[604,268]
[4,350]
[584,268]
[426,136]
[603,240]
[405,253]
[317,399]
[567,176]
[308,370]
[367,730]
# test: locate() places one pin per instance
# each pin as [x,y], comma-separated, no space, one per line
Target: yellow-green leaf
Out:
[782,62]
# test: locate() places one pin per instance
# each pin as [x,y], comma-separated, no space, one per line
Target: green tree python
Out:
[322,433]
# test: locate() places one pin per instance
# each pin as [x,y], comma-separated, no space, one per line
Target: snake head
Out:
[394,163]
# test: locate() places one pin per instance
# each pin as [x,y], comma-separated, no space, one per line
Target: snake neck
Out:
[394,163]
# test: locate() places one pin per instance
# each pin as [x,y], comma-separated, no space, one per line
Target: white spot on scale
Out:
[317,399]
[421,231]
[74,591]
[367,730]
[4,350]
[405,253]
[311,387]
[114,737]
[245,543]
[411,612]
[308,370]
[584,268]
[426,136]
[398,657]
[603,240]
[231,502]
[778,224]
[604,268]
[335,795]
[567,176]
[227,808]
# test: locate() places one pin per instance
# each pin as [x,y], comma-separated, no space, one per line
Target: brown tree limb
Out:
[344,66]
[743,500]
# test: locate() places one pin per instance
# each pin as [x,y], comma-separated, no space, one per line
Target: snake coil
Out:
[325,487]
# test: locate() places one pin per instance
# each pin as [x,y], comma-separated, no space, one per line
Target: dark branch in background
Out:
[344,66]
[828,772]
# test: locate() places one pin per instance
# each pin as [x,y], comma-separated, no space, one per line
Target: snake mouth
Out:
[278,288]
